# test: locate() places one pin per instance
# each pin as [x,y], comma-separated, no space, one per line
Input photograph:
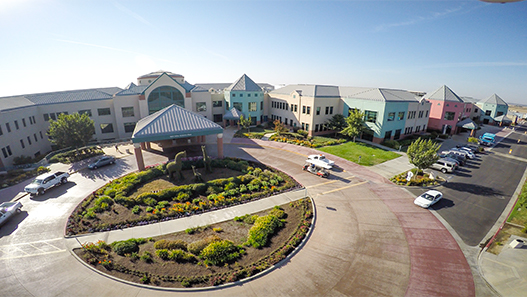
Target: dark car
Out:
[459,158]
[106,160]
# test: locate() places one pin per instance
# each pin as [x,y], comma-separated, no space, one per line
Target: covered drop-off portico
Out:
[171,127]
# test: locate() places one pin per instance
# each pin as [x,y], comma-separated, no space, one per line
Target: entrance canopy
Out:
[502,118]
[233,114]
[173,122]
[467,124]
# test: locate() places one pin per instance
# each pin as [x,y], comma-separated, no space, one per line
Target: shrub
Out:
[170,244]
[149,209]
[90,214]
[103,203]
[197,246]
[181,256]
[163,254]
[391,143]
[217,230]
[220,252]
[136,209]
[147,257]
[126,246]
[264,227]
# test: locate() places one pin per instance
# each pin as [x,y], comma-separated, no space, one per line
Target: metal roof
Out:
[158,73]
[244,83]
[444,93]
[233,114]
[173,122]
[494,99]
[132,89]
[309,90]
[14,102]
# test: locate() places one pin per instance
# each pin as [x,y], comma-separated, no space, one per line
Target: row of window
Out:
[29,140]
[253,106]
[17,126]
[108,128]
[126,112]
[241,95]
[410,130]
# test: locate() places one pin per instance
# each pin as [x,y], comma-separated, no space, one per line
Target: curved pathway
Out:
[368,240]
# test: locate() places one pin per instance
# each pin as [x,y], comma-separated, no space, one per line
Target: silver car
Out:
[103,161]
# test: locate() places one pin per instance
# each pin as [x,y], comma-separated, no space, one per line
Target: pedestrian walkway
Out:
[181,224]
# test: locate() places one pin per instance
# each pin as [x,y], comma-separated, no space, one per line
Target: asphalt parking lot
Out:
[476,195]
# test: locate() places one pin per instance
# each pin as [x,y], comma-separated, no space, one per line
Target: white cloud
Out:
[133,14]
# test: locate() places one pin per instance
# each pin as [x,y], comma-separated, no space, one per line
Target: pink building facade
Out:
[446,110]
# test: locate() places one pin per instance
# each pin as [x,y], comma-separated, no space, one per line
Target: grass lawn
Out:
[519,212]
[351,151]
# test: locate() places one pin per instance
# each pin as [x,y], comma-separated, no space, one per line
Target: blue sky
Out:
[475,48]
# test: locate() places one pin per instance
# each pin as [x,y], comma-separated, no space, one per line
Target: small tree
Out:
[355,124]
[279,127]
[423,153]
[245,122]
[336,123]
[73,130]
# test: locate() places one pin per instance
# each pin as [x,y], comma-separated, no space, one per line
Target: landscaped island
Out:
[150,196]
[209,255]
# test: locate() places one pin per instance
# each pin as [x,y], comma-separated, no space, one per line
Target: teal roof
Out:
[494,99]
[173,122]
[244,83]
[233,114]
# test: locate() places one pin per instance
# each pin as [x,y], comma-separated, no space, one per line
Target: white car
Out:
[428,199]
[320,161]
[8,209]
[470,153]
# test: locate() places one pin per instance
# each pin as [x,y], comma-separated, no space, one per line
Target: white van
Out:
[444,166]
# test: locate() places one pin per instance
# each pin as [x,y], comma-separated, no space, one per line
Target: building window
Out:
[331,110]
[24,122]
[103,111]
[417,129]
[303,126]
[127,112]
[233,95]
[16,125]
[424,127]
[129,127]
[106,128]
[22,143]
[248,95]
[411,114]
[261,105]
[164,96]
[370,116]
[241,95]
[217,103]
[388,135]
[8,127]
[35,136]
[397,134]
[41,137]
[31,120]
[34,120]
[1,132]
[217,117]
[303,109]
[391,116]
[426,115]
[307,127]
[499,113]
[318,110]
[253,106]
[201,106]
[400,116]
[488,112]
[4,152]
[296,107]
[53,116]
[85,111]
[29,140]
[46,117]
[308,110]
[237,105]
[316,127]
[420,114]
[327,109]
[449,115]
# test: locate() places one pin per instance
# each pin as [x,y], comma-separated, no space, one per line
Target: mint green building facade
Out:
[248,98]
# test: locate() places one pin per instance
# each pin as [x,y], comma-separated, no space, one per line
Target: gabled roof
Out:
[158,73]
[132,89]
[469,99]
[188,87]
[244,83]
[233,114]
[379,94]
[444,93]
[173,122]
[319,91]
[494,99]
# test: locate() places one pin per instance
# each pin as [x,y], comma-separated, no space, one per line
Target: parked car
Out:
[444,166]
[428,198]
[46,181]
[320,161]
[455,155]
[449,157]
[8,209]
[103,161]
[467,147]
[318,171]
[468,154]
[487,139]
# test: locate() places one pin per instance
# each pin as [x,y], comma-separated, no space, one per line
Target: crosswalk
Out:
[30,249]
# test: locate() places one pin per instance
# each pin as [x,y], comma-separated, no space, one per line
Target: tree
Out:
[423,153]
[336,123]
[279,127]
[73,130]
[355,124]
[245,122]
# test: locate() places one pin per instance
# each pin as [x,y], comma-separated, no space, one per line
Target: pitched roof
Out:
[173,122]
[244,83]
[158,73]
[444,93]
[233,114]
[494,99]
[379,94]
[132,89]
[309,90]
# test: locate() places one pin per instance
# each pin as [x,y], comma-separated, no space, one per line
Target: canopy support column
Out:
[219,142]
[139,156]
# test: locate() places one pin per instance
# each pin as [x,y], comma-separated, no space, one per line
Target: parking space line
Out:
[31,255]
[329,182]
